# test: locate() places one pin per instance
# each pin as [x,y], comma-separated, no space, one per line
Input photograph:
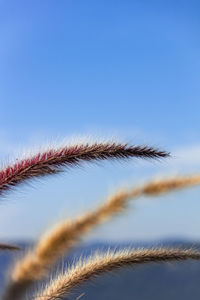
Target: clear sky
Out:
[124,69]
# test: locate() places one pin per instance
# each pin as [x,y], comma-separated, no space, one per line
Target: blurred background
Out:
[125,70]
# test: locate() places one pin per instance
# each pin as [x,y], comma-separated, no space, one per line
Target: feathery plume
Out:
[62,237]
[54,160]
[161,186]
[98,264]
[4,247]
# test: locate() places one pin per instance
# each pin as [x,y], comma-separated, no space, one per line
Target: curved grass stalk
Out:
[54,160]
[98,264]
[161,186]
[9,247]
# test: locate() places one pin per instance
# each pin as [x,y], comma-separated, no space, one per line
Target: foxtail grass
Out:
[54,160]
[161,186]
[94,266]
[9,247]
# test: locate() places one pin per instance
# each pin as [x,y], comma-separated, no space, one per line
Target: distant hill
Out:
[148,282]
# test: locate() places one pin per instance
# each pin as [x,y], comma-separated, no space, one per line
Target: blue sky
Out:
[124,69]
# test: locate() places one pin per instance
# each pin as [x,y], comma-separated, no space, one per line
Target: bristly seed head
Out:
[54,160]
